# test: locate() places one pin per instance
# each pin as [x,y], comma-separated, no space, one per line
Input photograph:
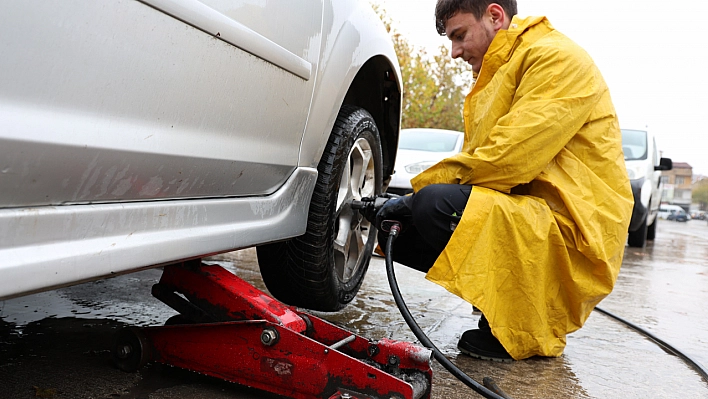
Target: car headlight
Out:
[635,172]
[418,167]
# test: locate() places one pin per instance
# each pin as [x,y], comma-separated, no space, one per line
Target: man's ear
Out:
[497,17]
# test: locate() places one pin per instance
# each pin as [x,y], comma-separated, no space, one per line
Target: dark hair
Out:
[446,9]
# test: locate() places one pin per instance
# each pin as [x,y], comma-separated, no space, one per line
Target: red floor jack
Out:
[230,330]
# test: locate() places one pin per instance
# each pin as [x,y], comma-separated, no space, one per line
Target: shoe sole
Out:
[482,357]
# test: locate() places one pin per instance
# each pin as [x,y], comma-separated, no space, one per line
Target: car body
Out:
[673,212]
[679,217]
[644,168]
[699,215]
[419,149]
[136,134]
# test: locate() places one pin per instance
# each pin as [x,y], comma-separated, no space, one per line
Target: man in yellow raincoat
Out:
[529,222]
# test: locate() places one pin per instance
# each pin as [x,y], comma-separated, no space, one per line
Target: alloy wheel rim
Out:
[352,231]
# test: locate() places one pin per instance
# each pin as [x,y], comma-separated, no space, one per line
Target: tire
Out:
[651,229]
[324,268]
[638,238]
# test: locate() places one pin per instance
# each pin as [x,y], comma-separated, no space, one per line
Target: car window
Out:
[428,140]
[634,144]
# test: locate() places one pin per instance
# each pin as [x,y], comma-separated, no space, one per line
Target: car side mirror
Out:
[664,164]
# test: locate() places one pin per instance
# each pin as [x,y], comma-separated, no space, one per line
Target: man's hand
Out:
[370,206]
[399,209]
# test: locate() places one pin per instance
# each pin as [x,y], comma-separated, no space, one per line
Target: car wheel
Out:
[324,268]
[651,229]
[638,238]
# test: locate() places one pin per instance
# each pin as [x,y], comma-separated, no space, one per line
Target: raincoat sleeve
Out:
[557,92]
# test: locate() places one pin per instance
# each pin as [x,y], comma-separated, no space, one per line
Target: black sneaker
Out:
[481,344]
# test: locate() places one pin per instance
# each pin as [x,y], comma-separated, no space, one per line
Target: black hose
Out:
[663,344]
[444,361]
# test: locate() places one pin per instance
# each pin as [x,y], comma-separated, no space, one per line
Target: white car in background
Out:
[644,168]
[137,134]
[673,212]
[419,149]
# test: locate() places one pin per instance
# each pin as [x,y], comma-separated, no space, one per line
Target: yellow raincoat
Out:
[542,236]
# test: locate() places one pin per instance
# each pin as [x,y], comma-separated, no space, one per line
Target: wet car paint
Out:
[59,341]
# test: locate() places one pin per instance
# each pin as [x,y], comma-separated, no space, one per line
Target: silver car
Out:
[136,134]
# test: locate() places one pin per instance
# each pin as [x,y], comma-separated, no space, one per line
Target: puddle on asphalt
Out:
[125,299]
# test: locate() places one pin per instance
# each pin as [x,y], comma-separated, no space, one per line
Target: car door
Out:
[119,100]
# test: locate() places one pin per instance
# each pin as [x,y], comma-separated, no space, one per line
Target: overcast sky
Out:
[650,52]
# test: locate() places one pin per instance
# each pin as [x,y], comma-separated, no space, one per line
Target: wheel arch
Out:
[358,67]
[375,89]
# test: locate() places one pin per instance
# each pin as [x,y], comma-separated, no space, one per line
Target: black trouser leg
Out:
[436,211]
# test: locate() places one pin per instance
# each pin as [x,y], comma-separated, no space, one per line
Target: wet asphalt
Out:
[57,344]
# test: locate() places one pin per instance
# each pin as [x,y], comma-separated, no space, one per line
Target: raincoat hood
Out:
[542,236]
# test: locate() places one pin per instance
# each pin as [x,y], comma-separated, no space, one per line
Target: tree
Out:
[700,193]
[434,88]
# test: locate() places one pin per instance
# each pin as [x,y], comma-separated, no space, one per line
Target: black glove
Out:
[399,209]
[370,206]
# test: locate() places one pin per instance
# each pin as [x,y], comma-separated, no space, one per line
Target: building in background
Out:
[677,185]
[699,197]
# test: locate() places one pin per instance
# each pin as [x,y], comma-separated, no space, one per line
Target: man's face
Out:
[470,37]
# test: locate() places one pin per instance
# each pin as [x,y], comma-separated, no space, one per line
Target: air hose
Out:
[661,343]
[489,389]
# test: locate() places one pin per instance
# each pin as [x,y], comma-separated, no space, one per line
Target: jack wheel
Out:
[131,351]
